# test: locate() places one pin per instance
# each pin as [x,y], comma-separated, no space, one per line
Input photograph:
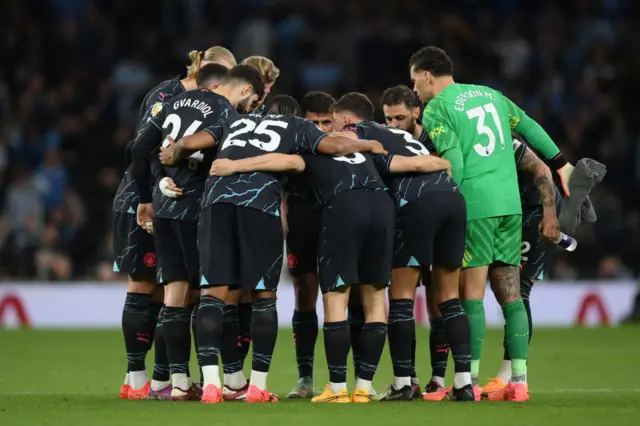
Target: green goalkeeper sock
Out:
[517,337]
[475,312]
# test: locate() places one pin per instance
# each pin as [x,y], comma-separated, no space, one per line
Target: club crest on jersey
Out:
[156,108]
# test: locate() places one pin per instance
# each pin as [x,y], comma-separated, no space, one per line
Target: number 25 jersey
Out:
[253,135]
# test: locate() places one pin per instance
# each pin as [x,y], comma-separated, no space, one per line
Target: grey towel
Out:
[578,208]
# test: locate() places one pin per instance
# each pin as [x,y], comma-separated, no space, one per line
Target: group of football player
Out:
[219,175]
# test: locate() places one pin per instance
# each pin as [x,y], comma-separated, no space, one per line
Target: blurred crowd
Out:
[73,73]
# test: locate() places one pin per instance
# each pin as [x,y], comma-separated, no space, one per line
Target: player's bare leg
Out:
[176,323]
[264,326]
[372,339]
[438,343]
[402,333]
[305,332]
[137,328]
[456,326]
[505,283]
[235,383]
[336,345]
[472,290]
[209,329]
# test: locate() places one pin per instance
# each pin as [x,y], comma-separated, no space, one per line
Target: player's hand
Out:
[377,148]
[169,154]
[222,167]
[169,188]
[145,213]
[549,228]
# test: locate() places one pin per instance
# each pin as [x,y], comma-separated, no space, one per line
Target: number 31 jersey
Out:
[253,135]
[478,121]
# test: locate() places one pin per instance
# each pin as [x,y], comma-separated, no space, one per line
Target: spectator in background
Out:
[611,268]
[72,74]
[131,75]
[22,223]
[51,179]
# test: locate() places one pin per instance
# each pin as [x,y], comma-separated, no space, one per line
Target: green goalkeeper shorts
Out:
[493,239]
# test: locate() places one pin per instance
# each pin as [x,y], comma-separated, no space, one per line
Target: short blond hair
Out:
[215,54]
[267,68]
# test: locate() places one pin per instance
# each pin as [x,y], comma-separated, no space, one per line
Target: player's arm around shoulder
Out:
[418,164]
[272,162]
[347,142]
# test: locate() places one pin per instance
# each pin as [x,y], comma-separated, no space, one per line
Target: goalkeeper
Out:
[471,127]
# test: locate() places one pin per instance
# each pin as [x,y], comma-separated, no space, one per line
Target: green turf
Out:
[577,377]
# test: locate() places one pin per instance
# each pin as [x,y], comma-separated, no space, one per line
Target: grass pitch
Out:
[577,377]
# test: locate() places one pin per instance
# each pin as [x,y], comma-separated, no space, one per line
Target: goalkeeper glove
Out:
[565,173]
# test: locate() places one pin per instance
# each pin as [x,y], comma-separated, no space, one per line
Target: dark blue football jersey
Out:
[405,187]
[126,198]
[253,135]
[184,115]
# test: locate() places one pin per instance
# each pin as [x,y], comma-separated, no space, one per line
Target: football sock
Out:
[229,350]
[235,380]
[244,318]
[136,328]
[475,313]
[525,291]
[362,384]
[154,312]
[161,373]
[211,376]
[194,315]
[438,380]
[209,329]
[438,347]
[456,327]
[372,339]
[401,340]
[414,376]
[177,329]
[305,334]
[356,321]
[517,335]
[336,347]
[264,327]
[137,379]
[258,379]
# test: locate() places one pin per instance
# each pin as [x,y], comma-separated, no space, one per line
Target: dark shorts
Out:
[302,239]
[535,249]
[356,241]
[177,249]
[133,248]
[239,247]
[431,231]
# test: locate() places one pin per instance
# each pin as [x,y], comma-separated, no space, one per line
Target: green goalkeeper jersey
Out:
[471,127]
